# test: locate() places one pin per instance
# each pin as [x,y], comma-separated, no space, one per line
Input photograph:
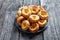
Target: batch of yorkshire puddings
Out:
[31,18]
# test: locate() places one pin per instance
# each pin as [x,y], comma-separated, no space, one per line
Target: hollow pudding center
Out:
[26,10]
[34,17]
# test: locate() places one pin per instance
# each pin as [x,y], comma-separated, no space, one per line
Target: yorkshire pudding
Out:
[40,8]
[20,19]
[26,12]
[33,9]
[42,23]
[43,15]
[25,25]
[34,28]
[33,18]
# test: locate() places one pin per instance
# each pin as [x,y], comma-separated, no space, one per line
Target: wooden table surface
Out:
[8,9]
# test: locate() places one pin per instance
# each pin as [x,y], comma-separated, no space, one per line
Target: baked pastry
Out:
[33,9]
[42,23]
[34,28]
[33,18]
[43,15]
[20,19]
[26,12]
[40,8]
[18,14]
[21,8]
[25,25]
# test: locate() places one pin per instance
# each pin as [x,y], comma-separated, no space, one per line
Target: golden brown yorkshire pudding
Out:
[42,23]
[21,8]
[25,25]
[43,15]
[33,18]
[20,11]
[26,12]
[40,8]
[20,19]
[34,28]
[18,14]
[33,9]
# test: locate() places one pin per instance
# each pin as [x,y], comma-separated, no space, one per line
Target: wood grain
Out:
[57,19]
[8,9]
[53,25]
[8,31]
[1,3]
[2,14]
